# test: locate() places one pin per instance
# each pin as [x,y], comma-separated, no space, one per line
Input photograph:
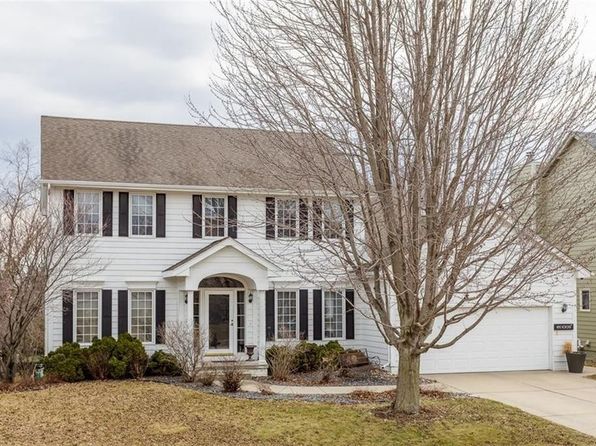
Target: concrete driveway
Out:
[565,398]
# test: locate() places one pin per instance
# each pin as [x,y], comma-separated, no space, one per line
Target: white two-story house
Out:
[187,226]
[184,234]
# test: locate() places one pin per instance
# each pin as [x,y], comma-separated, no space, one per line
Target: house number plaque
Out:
[563,326]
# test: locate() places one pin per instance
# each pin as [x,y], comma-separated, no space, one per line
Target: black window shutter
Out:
[349,314]
[303,219]
[68,212]
[160,313]
[66,316]
[107,213]
[123,214]
[232,216]
[270,217]
[160,215]
[270,315]
[317,314]
[317,220]
[197,216]
[106,313]
[122,311]
[303,314]
[350,222]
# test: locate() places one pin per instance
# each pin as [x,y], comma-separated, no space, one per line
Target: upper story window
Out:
[141,315]
[287,315]
[287,218]
[333,222]
[333,315]
[585,300]
[87,212]
[215,216]
[87,316]
[141,211]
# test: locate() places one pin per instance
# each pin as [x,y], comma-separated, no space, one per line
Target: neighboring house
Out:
[187,235]
[567,177]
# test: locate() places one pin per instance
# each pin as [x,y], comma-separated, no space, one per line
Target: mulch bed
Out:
[355,397]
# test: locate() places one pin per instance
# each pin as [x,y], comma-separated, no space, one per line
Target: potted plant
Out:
[575,360]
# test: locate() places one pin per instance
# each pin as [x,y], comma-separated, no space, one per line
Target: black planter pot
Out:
[575,361]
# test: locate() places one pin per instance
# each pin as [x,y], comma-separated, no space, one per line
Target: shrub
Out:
[131,351]
[207,376]
[307,357]
[281,360]
[97,357]
[329,354]
[163,364]
[187,344]
[231,377]
[66,363]
[117,368]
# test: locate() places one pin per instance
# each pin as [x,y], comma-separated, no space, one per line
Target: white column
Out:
[260,334]
[189,306]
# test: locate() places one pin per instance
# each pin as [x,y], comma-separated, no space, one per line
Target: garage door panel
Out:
[506,339]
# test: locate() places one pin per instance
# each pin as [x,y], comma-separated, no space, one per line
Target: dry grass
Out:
[128,412]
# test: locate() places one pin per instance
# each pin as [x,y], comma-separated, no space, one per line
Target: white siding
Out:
[129,261]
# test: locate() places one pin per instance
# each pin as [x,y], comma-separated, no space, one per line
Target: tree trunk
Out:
[407,399]
[11,370]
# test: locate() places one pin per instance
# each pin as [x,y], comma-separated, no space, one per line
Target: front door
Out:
[220,322]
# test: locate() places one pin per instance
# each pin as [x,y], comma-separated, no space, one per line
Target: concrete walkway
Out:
[565,398]
[256,386]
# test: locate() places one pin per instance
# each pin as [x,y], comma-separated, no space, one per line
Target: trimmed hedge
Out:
[104,358]
[66,363]
[163,364]
[309,356]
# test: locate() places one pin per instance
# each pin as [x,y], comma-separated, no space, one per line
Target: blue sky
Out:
[134,61]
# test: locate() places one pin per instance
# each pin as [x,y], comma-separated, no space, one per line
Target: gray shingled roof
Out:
[133,152]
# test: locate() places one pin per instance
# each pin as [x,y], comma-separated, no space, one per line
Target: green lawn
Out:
[128,412]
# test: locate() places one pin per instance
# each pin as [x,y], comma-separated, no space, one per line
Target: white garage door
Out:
[507,339]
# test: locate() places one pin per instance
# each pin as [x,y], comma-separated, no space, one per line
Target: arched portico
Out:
[224,287]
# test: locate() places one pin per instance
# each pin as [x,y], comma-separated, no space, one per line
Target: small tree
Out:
[186,342]
[37,257]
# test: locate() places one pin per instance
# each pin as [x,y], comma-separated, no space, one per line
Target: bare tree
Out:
[37,257]
[187,343]
[406,127]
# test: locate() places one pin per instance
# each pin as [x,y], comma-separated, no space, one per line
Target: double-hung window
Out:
[287,218]
[333,315]
[215,216]
[86,316]
[87,212]
[333,222]
[287,315]
[585,300]
[141,315]
[141,211]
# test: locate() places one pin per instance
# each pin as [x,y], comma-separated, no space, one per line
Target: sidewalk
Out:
[255,386]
